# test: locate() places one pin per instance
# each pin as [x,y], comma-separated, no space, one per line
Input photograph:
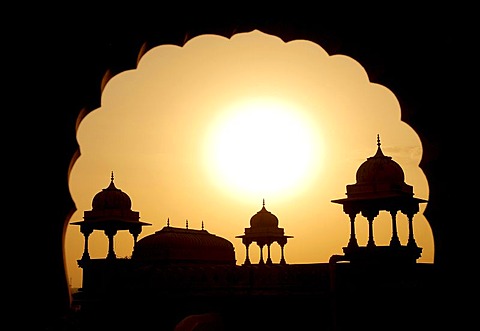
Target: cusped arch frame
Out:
[123,52]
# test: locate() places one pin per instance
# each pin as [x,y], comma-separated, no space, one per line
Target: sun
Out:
[263,147]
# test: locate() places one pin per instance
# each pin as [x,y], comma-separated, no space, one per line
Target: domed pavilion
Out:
[111,212]
[380,186]
[264,230]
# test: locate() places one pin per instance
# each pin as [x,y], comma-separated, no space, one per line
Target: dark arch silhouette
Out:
[420,60]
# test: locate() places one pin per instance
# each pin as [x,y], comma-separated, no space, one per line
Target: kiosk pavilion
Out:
[380,186]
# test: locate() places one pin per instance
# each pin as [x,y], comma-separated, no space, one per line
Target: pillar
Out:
[260,245]
[86,235]
[247,257]
[352,242]
[282,259]
[394,241]
[110,234]
[370,214]
[411,240]
[269,259]
[135,232]
[371,241]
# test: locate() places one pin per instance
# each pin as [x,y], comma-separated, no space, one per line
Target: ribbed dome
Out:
[379,177]
[176,245]
[380,169]
[263,218]
[111,198]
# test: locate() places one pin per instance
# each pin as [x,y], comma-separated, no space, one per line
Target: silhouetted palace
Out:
[179,278]
[58,66]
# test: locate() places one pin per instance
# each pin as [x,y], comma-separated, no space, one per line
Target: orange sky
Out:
[206,131]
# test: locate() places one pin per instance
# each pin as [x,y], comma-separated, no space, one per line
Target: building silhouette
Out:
[181,276]
[421,57]
[264,231]
[111,212]
[380,186]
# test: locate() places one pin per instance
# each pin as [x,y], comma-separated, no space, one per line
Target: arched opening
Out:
[407,62]
[154,118]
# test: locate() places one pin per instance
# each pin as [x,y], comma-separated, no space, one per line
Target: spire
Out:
[202,225]
[379,150]
[112,184]
[263,206]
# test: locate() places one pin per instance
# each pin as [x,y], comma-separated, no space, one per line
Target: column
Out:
[371,241]
[352,243]
[110,234]
[269,259]
[247,257]
[86,235]
[411,240]
[394,241]
[135,231]
[282,259]
[370,214]
[260,245]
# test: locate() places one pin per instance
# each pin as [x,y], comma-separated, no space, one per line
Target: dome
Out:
[111,212]
[263,219]
[177,245]
[379,177]
[111,198]
[380,169]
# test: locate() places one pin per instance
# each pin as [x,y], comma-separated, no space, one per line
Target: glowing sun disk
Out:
[263,147]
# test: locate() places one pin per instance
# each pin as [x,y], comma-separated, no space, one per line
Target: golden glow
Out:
[262,146]
[204,132]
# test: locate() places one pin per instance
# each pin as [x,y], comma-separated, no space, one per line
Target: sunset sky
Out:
[206,131]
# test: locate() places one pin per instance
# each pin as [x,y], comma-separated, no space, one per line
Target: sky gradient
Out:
[206,131]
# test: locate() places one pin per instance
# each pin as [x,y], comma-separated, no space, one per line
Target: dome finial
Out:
[379,152]
[263,202]
[112,184]
[186,224]
[202,225]
[168,222]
